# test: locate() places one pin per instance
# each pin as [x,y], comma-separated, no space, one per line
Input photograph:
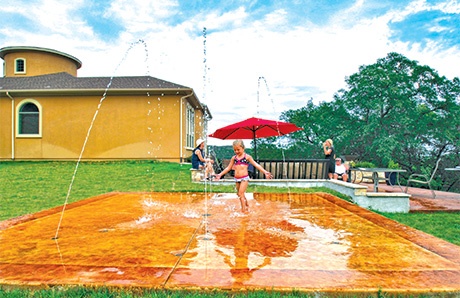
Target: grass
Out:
[100,292]
[104,292]
[28,187]
[444,225]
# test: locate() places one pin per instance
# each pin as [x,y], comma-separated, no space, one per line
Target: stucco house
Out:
[48,113]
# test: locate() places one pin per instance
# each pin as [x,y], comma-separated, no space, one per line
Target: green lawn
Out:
[444,225]
[102,292]
[28,187]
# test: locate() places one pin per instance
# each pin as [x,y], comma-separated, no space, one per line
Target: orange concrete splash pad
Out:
[306,242]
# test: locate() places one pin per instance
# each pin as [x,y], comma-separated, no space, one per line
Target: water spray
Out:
[104,96]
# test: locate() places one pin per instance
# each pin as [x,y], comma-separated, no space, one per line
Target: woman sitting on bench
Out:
[199,162]
[341,171]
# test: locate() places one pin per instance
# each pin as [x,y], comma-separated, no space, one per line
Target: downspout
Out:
[12,124]
[181,123]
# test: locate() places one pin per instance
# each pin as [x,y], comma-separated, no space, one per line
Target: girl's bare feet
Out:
[244,204]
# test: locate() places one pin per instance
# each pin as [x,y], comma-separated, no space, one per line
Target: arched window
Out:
[28,119]
[20,65]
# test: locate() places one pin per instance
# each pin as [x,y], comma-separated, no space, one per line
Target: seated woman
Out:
[201,163]
[341,170]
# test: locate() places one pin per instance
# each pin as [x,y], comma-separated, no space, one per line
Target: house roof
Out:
[64,83]
[63,80]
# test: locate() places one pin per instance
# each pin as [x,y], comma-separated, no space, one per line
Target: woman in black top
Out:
[329,153]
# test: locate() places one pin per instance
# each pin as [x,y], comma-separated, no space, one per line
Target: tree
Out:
[403,111]
[319,122]
[394,110]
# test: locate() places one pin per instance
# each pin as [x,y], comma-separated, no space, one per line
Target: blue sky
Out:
[302,48]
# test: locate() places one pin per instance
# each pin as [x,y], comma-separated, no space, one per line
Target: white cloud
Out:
[141,15]
[298,62]
[276,18]
[221,21]
[449,6]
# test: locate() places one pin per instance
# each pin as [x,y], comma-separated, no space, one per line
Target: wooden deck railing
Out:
[292,168]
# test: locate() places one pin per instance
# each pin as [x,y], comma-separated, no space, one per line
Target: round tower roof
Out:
[6,50]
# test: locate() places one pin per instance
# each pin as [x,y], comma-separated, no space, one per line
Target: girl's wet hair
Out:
[238,143]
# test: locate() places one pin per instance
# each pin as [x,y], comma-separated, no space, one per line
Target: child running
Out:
[240,162]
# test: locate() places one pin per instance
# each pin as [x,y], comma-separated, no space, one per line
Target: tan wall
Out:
[39,63]
[126,127]
[5,127]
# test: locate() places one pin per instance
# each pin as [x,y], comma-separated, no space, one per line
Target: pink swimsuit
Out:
[243,162]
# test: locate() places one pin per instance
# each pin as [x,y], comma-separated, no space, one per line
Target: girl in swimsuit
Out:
[240,162]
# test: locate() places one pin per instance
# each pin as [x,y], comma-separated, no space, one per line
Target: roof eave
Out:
[110,92]
[97,91]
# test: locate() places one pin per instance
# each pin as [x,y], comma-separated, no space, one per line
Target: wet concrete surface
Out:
[308,242]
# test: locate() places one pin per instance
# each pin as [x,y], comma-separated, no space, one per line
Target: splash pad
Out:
[306,242]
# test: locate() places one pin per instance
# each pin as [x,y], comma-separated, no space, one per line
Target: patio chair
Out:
[423,179]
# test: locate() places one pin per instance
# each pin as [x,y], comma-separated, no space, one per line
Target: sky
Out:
[243,58]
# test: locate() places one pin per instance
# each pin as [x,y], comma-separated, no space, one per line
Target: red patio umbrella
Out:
[254,128]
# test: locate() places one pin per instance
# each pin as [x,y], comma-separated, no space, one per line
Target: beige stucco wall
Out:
[126,127]
[5,127]
[39,63]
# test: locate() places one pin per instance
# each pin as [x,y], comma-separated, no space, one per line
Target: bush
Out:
[364,164]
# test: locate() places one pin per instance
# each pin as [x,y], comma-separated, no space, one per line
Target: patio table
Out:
[375,175]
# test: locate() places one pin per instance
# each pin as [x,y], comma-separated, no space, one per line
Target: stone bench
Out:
[196,175]
[379,201]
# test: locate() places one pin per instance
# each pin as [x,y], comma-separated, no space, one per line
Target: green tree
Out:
[327,120]
[404,112]
[393,110]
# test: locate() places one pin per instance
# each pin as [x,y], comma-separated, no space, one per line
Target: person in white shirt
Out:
[340,170]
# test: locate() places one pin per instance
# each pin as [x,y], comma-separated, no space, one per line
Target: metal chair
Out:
[423,179]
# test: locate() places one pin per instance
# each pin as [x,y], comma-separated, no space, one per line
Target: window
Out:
[20,65]
[29,123]
[190,127]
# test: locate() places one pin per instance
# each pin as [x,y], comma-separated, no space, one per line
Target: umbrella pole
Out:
[255,158]
[255,148]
